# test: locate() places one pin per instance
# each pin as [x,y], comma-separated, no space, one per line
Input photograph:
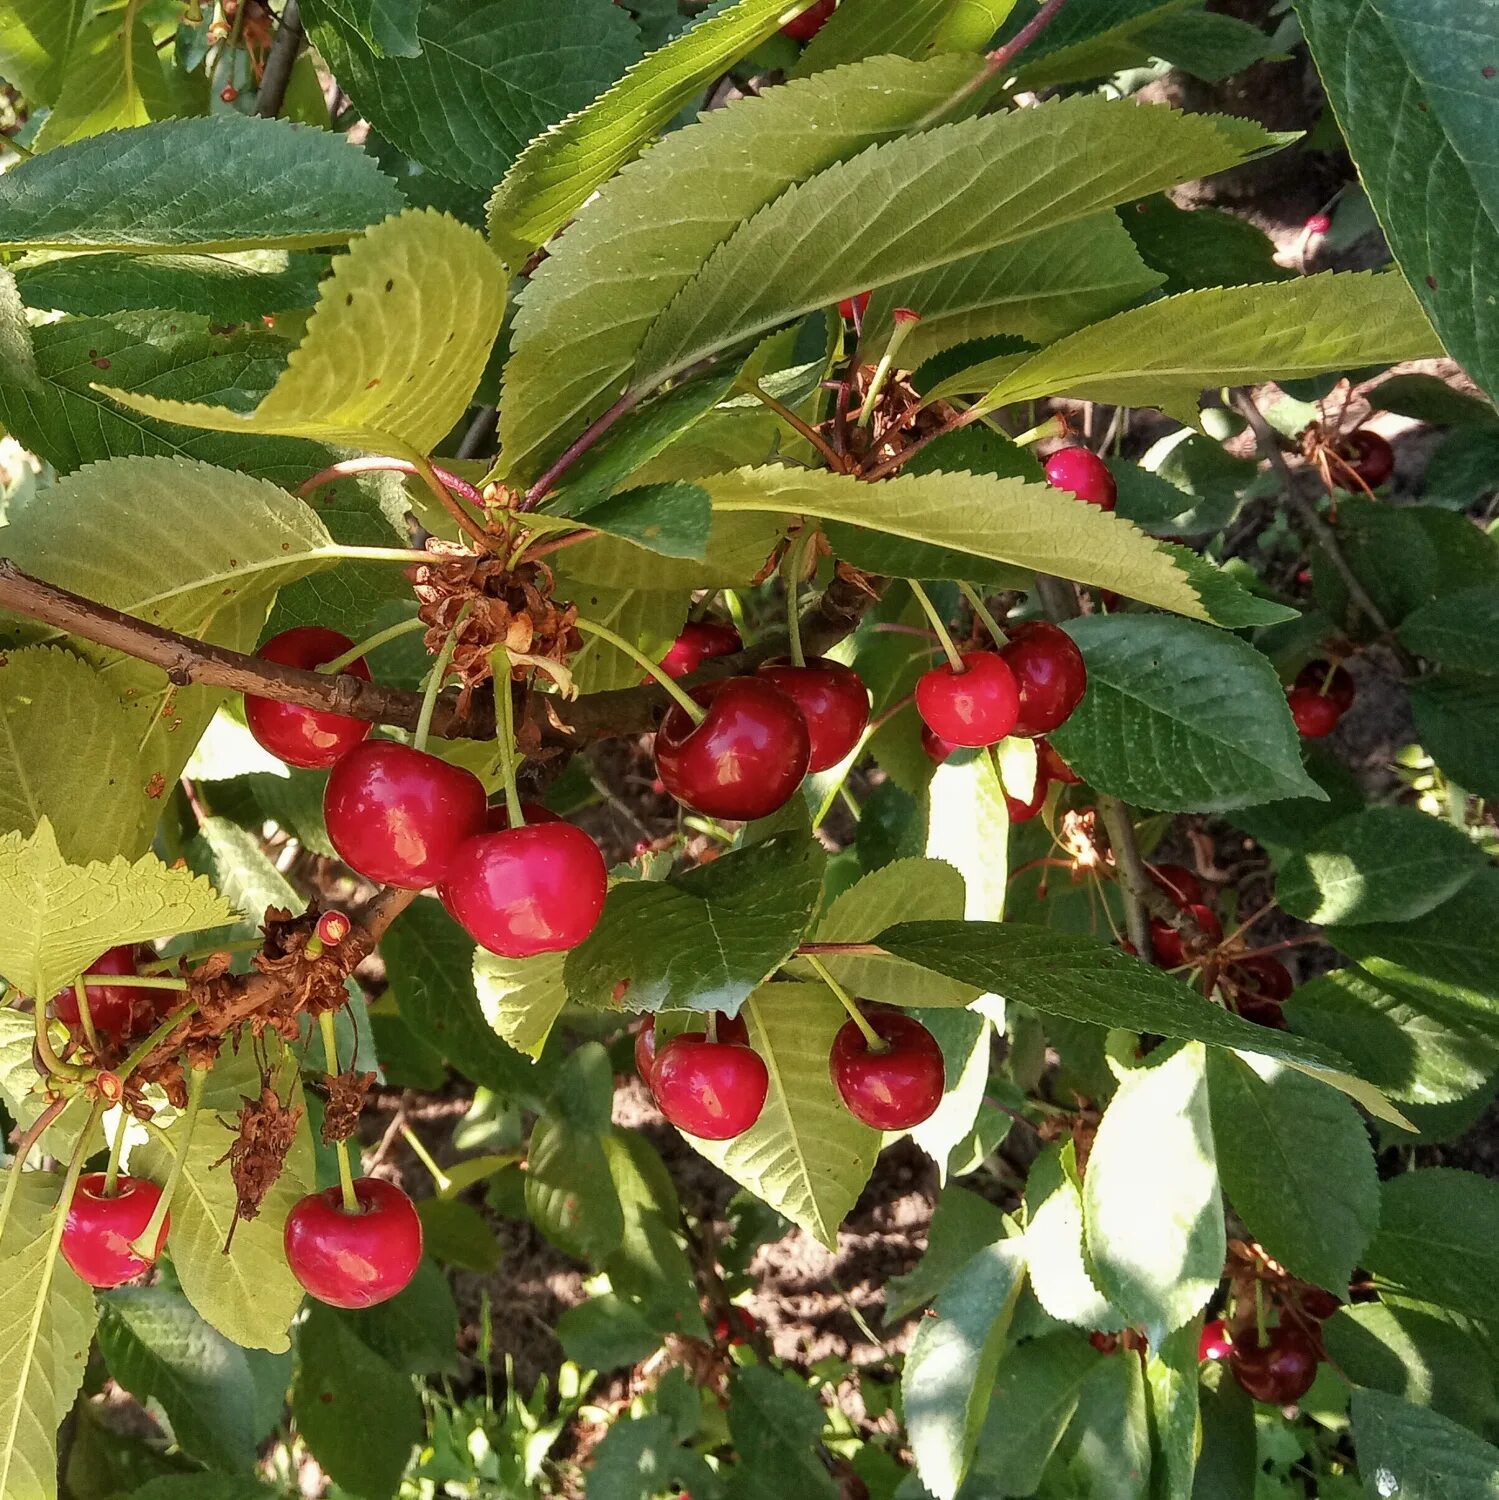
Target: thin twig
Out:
[998,60]
[378,465]
[1133,879]
[795,423]
[579,446]
[280,61]
[476,442]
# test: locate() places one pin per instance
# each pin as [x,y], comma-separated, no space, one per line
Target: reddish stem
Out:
[578,447]
[377,465]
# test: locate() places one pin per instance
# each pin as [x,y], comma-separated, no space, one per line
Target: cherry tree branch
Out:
[280,61]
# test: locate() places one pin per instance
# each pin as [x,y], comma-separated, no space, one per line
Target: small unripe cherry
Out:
[1083,473]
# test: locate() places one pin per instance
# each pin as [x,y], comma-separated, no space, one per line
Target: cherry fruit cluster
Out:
[1321,694]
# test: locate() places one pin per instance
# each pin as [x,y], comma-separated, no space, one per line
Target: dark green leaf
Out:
[1458,630]
[1106,1451]
[672,519]
[417,1330]
[962,1224]
[1426,398]
[641,1458]
[1416,1454]
[606,1333]
[1438,1239]
[1456,718]
[458,1234]
[776,1423]
[1200,247]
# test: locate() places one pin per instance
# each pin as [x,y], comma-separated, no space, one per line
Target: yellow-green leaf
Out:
[521,997]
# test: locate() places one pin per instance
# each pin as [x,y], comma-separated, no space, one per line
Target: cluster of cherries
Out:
[1321,694]
[713,1084]
[1279,1367]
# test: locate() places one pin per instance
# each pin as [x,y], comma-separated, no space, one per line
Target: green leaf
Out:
[393,349]
[113,81]
[776,1423]
[1385,864]
[606,1333]
[388,27]
[1235,335]
[1200,247]
[870,28]
[1435,149]
[570,1193]
[17,356]
[704,939]
[518,66]
[1008,520]
[554,176]
[1426,398]
[56,917]
[672,519]
[1457,630]
[1151,1203]
[1106,1451]
[964,1037]
[360,1416]
[1227,602]
[648,619]
[641,1456]
[457,1234]
[949,1372]
[47,1320]
[806,1156]
[968,824]
[35,37]
[1060,1277]
[1297,1165]
[1455,714]
[1172,1392]
[962,1224]
[221,183]
[1416,1454]
[1180,717]
[1092,39]
[157,1347]
[521,997]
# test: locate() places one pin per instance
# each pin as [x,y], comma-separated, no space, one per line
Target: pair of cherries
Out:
[1280,1368]
[401,817]
[1186,893]
[1318,699]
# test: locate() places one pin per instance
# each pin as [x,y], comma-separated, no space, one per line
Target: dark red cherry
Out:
[1178,882]
[1023,812]
[498,817]
[735,1327]
[111,1005]
[1214,1342]
[1368,455]
[1166,941]
[97,1233]
[1049,673]
[894,1089]
[805,26]
[937,749]
[354,1260]
[530,890]
[746,758]
[1318,1303]
[713,1090]
[307,737]
[699,641]
[852,309]
[1334,683]
[832,699]
[1313,715]
[399,816]
[1083,473]
[1265,975]
[977,706]
[1055,767]
[1279,1371]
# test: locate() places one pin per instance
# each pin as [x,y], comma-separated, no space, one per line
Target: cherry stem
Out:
[924,600]
[60,1214]
[1259,1312]
[330,1059]
[136,981]
[23,1150]
[434,682]
[47,1052]
[802,428]
[504,698]
[976,602]
[875,1041]
[679,696]
[440,1179]
[466,522]
[371,643]
[154,1040]
[711,1030]
[1134,878]
[905,321]
[144,1244]
[375,464]
[1052,427]
[86,1014]
[579,446]
[116,1153]
[795,561]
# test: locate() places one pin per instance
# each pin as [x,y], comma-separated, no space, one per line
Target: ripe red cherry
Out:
[307,737]
[937,749]
[852,309]
[1214,1342]
[1333,683]
[746,758]
[735,1327]
[713,1090]
[1083,473]
[1368,455]
[1049,674]
[894,1089]
[1055,767]
[1313,715]
[810,22]
[97,1232]
[1318,224]
[1279,1371]
[699,641]
[530,890]
[832,699]
[1178,882]
[729,1029]
[111,1005]
[1318,1303]
[977,706]
[398,816]
[497,816]
[354,1260]
[1266,976]
[1166,941]
[1023,812]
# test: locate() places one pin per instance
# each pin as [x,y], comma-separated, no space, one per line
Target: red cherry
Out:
[894,1089]
[1333,683]
[111,1005]
[497,816]
[398,816]
[1023,812]
[1178,882]
[1279,1371]
[852,309]
[937,749]
[810,22]
[306,737]
[1055,767]
[1215,1342]
[832,699]
[524,891]
[354,1260]
[746,758]
[1083,473]
[1105,1343]
[1318,224]
[977,706]
[1318,1303]
[1313,715]
[730,1029]
[1265,976]
[734,1328]
[1166,941]
[1049,673]
[713,1090]
[1368,455]
[698,642]
[97,1232]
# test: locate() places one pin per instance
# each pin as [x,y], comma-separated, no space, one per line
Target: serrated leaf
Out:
[47,1320]
[393,349]
[1297,1165]
[1151,1205]
[806,1156]
[221,183]
[1092,39]
[517,65]
[1226,601]
[1180,718]
[555,174]
[702,940]
[1201,246]
[388,26]
[521,997]
[570,1192]
[17,356]
[775,1421]
[56,918]
[113,81]
[1454,714]
[962,1224]
[1416,1454]
[949,1372]
[1008,520]
[1457,630]
[1172,1395]
[35,36]
[643,1450]
[1167,353]
[1106,1450]
[648,619]
[1059,1271]
[872,28]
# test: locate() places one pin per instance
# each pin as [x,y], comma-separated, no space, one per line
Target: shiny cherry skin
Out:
[1334,683]
[1049,673]
[354,1260]
[832,699]
[1083,473]
[746,758]
[498,816]
[805,26]
[1178,882]
[1166,941]
[1281,1370]
[1368,455]
[1055,767]
[713,1090]
[524,891]
[1314,716]
[111,1005]
[729,1029]
[894,1089]
[735,1327]
[977,706]
[97,1232]
[306,737]
[399,816]
[1023,812]
[852,309]
[1214,1342]
[700,641]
